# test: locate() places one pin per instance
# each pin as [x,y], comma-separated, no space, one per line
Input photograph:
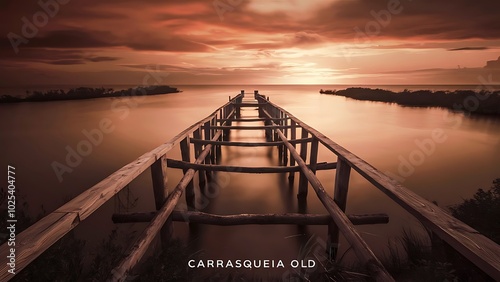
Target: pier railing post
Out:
[213,155]
[303,183]
[293,136]
[342,174]
[197,151]
[314,154]
[160,191]
[285,131]
[208,158]
[186,156]
[280,147]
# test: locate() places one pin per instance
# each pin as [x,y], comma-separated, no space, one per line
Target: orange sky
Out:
[250,42]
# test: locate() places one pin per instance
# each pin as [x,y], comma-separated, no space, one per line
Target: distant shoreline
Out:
[82,93]
[474,102]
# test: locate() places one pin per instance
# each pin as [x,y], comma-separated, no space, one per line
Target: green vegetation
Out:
[427,258]
[88,93]
[474,102]
[482,212]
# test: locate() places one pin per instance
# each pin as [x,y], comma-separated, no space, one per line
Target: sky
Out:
[363,42]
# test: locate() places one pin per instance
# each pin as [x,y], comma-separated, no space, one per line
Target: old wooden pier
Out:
[297,145]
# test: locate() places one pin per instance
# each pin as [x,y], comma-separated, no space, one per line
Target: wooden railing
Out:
[44,233]
[206,137]
[475,247]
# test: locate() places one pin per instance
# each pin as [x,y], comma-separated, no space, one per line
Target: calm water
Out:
[34,135]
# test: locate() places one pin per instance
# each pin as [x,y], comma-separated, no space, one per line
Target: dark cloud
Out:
[54,57]
[154,42]
[469,49]
[460,19]
[101,59]
[74,38]
[65,62]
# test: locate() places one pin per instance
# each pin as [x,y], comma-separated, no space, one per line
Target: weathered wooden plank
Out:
[240,105]
[160,180]
[248,127]
[303,184]
[243,169]
[285,151]
[341,188]
[293,137]
[314,155]
[244,119]
[35,240]
[197,150]
[248,144]
[245,219]
[137,250]
[186,157]
[477,248]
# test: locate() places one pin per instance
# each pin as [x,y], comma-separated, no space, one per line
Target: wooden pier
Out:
[297,145]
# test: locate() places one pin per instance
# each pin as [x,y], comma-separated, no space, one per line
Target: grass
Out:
[412,256]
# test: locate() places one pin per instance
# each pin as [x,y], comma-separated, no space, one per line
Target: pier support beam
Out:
[342,175]
[293,136]
[303,183]
[197,150]
[245,219]
[160,191]
[186,156]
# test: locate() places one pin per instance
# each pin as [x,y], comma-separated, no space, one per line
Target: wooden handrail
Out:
[44,233]
[362,250]
[474,246]
[139,248]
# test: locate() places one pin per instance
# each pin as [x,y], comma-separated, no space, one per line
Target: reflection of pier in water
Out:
[297,145]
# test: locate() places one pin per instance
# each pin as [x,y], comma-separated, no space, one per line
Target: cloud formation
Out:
[192,39]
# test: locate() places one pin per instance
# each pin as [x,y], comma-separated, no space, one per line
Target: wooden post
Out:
[342,175]
[269,132]
[293,136]
[197,151]
[314,155]
[218,148]
[237,108]
[208,158]
[285,130]
[214,148]
[303,183]
[280,147]
[160,179]
[186,156]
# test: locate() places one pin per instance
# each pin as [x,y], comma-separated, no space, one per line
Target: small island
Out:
[81,93]
[474,102]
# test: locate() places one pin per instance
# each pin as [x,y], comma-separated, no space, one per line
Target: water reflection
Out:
[36,134]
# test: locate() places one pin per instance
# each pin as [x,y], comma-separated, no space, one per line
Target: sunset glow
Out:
[250,42]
